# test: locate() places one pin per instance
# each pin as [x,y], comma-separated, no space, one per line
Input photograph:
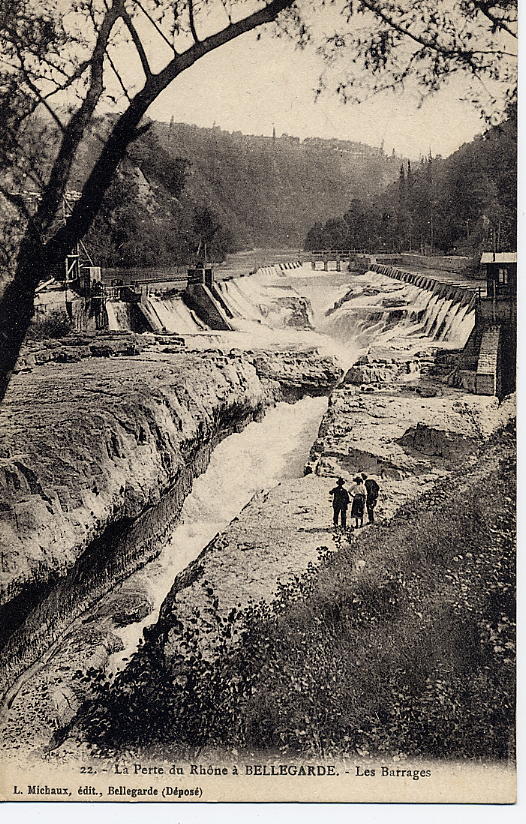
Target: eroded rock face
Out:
[97,456]
[308,375]
[405,436]
[297,312]
[74,348]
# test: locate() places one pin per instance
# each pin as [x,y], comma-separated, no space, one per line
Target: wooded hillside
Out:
[461,203]
[261,191]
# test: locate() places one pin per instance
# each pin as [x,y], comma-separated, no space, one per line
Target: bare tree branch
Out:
[123,131]
[431,43]
[42,100]
[157,28]
[74,131]
[137,43]
[118,76]
[499,22]
[192,20]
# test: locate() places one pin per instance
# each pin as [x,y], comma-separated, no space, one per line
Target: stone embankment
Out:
[89,491]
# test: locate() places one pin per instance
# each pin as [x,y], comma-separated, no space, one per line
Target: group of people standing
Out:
[364,494]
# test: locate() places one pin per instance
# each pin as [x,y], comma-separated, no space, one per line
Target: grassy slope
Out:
[411,653]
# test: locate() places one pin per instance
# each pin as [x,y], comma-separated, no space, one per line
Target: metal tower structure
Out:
[78,258]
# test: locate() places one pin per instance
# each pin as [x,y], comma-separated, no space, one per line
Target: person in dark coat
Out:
[372,490]
[359,494]
[340,502]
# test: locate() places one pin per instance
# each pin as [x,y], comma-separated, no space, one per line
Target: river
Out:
[257,458]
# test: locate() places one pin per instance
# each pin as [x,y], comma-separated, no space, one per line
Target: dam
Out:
[281,401]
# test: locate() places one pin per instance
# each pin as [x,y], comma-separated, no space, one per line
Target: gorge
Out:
[147,465]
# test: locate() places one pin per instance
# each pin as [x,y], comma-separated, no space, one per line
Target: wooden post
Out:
[325,264]
[338,262]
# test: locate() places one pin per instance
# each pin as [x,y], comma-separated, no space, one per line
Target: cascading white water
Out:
[237,301]
[461,325]
[175,316]
[445,307]
[381,310]
[257,458]
[118,314]
[149,310]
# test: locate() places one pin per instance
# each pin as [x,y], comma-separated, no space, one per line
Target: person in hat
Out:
[340,502]
[359,495]
[372,489]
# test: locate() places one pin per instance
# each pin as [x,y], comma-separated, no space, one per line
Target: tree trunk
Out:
[34,260]
[17,306]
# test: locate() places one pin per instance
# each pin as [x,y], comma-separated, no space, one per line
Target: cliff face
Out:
[97,457]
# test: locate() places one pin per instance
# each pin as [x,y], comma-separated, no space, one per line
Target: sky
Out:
[252,87]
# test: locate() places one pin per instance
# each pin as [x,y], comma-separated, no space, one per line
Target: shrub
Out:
[56,325]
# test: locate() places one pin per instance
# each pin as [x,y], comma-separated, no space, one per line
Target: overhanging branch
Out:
[191,18]
[124,130]
[74,131]
[137,42]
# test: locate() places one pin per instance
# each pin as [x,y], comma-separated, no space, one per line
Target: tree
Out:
[360,222]
[315,238]
[463,202]
[421,43]
[60,64]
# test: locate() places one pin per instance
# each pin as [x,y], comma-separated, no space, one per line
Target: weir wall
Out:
[460,294]
[486,364]
[200,298]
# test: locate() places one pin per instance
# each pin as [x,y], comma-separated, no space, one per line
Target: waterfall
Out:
[462,326]
[240,297]
[379,309]
[444,306]
[111,313]
[149,311]
[431,313]
[374,309]
[257,458]
[175,316]
[119,316]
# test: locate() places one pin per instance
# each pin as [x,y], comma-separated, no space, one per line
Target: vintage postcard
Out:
[258,318]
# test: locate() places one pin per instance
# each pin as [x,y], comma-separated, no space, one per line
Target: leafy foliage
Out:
[56,325]
[420,44]
[192,700]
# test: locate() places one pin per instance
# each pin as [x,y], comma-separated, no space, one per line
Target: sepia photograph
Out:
[258,336]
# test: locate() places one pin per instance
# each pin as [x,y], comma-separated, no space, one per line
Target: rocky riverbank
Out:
[89,493]
[394,417]
[407,440]
[399,643]
[161,408]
